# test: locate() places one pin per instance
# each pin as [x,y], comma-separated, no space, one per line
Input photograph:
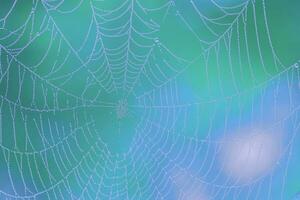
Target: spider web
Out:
[138,99]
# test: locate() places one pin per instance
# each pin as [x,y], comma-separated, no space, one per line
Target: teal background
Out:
[103,99]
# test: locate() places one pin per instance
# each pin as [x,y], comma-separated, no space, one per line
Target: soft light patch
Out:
[188,187]
[249,154]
